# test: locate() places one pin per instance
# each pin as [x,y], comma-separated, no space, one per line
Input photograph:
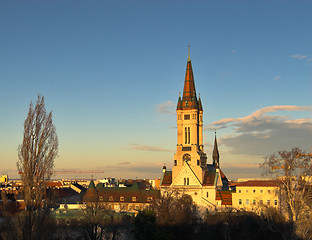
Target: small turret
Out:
[215,154]
[164,168]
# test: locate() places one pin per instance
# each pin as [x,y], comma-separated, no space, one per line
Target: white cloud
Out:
[261,134]
[298,56]
[233,51]
[277,78]
[166,107]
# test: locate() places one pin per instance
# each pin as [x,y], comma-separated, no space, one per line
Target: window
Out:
[197,162]
[186,181]
[261,201]
[246,191]
[207,194]
[111,198]
[122,199]
[247,201]
[187,117]
[134,199]
[268,202]
[175,162]
[254,191]
[137,207]
[254,202]
[187,135]
[101,198]
[239,191]
[269,191]
[275,202]
[261,191]
[240,201]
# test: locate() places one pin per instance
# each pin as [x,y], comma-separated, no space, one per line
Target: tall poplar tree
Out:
[35,163]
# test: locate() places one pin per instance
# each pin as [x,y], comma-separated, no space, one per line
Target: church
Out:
[191,175]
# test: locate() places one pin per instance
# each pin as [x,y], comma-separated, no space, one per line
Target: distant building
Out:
[4,179]
[121,199]
[191,174]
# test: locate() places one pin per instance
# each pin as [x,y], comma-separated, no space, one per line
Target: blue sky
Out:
[111,73]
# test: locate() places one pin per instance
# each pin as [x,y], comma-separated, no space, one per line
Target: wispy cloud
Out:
[277,78]
[260,134]
[140,147]
[140,170]
[259,113]
[240,165]
[233,51]
[124,163]
[298,56]
[167,107]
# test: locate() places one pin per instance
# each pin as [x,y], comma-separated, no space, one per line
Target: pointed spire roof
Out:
[91,193]
[189,99]
[179,106]
[215,154]
[200,106]
[91,185]
[189,84]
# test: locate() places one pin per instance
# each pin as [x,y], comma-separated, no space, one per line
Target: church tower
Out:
[190,149]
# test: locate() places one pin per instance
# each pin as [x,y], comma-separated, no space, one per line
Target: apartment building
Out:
[254,194]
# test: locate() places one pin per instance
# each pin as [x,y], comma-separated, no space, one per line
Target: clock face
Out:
[186,157]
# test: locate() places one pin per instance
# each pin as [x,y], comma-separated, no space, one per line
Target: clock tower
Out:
[190,149]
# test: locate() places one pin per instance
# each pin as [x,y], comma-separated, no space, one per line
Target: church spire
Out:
[215,154]
[189,54]
[189,98]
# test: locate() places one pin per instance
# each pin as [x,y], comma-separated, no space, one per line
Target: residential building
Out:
[121,199]
[253,195]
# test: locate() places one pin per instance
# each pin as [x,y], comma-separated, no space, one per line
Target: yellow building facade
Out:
[253,195]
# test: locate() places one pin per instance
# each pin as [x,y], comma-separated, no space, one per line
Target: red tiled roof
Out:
[209,178]
[224,196]
[167,179]
[54,184]
[257,183]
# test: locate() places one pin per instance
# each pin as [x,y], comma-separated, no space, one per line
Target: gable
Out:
[186,173]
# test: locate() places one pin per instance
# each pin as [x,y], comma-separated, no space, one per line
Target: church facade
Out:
[191,175]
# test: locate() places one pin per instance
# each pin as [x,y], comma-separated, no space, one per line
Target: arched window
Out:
[175,162]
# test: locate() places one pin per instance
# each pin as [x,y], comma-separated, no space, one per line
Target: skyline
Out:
[111,73]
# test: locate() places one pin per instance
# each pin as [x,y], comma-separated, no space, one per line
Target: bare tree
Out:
[293,171]
[35,163]
[175,208]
